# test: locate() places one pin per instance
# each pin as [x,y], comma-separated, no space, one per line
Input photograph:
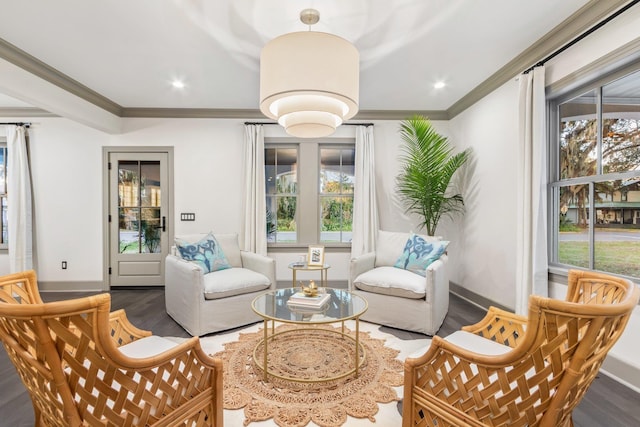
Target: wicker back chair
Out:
[67,356]
[552,357]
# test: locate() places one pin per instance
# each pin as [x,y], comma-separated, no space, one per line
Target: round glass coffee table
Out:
[340,306]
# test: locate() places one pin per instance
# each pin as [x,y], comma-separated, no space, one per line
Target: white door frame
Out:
[106,151]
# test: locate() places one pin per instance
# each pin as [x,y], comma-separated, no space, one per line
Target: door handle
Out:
[164,224]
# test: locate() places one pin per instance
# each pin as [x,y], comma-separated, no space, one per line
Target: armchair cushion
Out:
[233,281]
[418,254]
[392,281]
[147,347]
[207,253]
[477,344]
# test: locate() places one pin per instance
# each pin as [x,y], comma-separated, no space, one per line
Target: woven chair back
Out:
[66,355]
[556,354]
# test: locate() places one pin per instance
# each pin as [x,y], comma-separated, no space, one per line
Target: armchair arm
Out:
[359,265]
[450,385]
[122,331]
[260,264]
[500,326]
[184,292]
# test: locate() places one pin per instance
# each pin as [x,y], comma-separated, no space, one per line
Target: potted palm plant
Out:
[428,166]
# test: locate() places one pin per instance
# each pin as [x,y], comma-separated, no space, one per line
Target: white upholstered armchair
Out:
[397,297]
[205,303]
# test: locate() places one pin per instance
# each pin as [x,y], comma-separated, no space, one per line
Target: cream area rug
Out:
[369,399]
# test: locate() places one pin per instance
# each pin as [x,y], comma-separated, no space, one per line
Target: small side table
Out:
[297,266]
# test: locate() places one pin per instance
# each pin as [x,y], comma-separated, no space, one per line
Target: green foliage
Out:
[566,224]
[428,167]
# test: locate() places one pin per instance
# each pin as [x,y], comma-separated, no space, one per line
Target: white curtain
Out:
[531,260]
[365,205]
[19,213]
[255,207]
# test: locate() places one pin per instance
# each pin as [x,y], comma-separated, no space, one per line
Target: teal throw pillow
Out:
[418,254]
[207,253]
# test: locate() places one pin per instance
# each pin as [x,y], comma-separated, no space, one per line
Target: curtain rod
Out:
[25,124]
[583,35]
[344,124]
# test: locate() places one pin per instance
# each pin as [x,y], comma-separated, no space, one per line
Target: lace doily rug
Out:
[315,354]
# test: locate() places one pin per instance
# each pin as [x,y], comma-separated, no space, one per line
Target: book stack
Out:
[300,300]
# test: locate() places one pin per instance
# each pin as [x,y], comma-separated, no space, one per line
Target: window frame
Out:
[555,182]
[308,203]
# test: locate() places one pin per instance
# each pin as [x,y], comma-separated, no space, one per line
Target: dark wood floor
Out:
[607,403]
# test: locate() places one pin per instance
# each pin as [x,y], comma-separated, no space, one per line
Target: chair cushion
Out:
[147,347]
[392,281]
[477,344]
[233,281]
[418,254]
[390,244]
[207,253]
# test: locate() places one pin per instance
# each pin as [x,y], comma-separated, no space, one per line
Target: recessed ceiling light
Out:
[439,85]
[178,84]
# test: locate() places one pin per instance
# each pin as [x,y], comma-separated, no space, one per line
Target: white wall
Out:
[67,179]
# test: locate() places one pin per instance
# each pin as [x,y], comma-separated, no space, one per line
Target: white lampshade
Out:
[309,82]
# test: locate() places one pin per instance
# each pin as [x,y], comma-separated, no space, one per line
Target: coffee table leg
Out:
[357,344]
[264,364]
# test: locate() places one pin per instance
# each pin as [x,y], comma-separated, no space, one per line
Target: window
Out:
[309,192]
[595,177]
[4,230]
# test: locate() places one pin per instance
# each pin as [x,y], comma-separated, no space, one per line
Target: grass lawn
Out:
[615,257]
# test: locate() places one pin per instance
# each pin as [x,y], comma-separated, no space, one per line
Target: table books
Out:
[300,299]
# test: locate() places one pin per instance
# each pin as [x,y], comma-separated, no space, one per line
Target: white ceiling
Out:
[130,50]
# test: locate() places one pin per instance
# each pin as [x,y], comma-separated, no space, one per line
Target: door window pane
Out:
[150,183]
[129,224]
[128,183]
[578,136]
[151,227]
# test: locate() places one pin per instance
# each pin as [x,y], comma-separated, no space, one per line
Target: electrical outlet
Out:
[64,265]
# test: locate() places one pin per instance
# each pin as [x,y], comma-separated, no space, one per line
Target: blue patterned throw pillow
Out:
[207,253]
[418,254]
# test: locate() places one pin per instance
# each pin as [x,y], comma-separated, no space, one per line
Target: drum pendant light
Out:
[309,81]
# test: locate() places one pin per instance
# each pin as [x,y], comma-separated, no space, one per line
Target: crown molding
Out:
[33,65]
[219,113]
[586,17]
[400,114]
[25,112]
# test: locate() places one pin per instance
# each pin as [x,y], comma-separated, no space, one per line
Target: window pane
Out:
[129,223]
[617,232]
[150,183]
[573,220]
[337,219]
[151,228]
[286,168]
[286,220]
[620,136]
[337,170]
[578,136]
[128,180]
